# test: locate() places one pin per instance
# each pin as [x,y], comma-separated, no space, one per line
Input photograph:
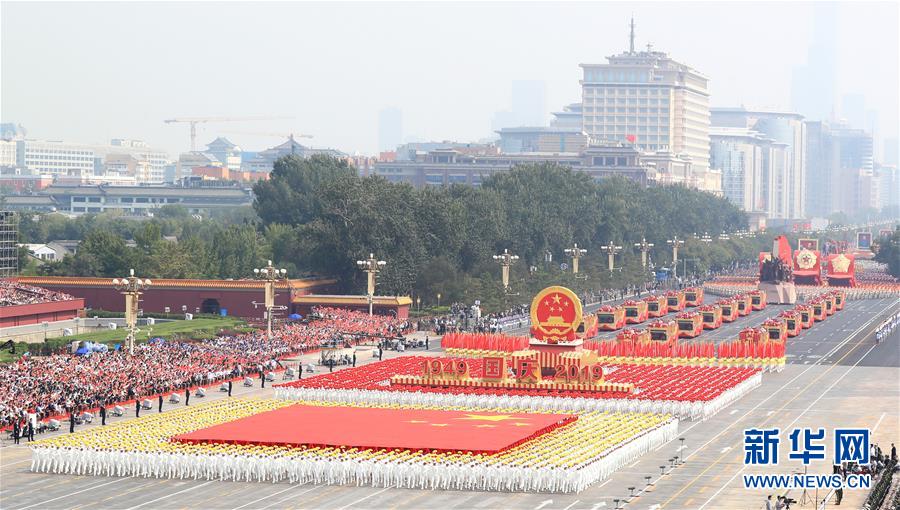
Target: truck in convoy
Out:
[729,309]
[712,316]
[693,296]
[635,311]
[690,324]
[657,305]
[610,318]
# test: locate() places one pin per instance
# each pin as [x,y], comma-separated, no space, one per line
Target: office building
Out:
[753,169]
[528,106]
[840,169]
[130,200]
[542,139]
[390,128]
[445,166]
[7,153]
[814,84]
[785,176]
[648,99]
[55,158]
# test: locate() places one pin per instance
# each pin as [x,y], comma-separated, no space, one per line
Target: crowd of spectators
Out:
[52,385]
[13,293]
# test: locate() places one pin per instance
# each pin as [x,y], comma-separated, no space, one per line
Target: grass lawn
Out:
[182,329]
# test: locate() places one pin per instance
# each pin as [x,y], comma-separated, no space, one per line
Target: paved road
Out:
[838,377]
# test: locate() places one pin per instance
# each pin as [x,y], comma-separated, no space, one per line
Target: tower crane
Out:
[193,121]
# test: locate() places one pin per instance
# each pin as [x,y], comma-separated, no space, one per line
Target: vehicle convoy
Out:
[729,309]
[635,311]
[675,300]
[690,324]
[693,296]
[657,306]
[610,318]
[712,316]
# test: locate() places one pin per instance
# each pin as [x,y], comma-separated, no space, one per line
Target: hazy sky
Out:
[87,72]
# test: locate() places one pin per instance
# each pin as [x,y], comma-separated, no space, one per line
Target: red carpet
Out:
[370,428]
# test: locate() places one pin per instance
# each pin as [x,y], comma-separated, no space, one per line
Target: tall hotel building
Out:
[650,100]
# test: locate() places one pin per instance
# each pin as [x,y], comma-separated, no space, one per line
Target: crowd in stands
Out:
[13,293]
[51,385]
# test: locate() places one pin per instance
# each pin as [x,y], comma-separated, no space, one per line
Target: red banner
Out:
[372,428]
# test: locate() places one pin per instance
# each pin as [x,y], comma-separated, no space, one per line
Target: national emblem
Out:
[555,315]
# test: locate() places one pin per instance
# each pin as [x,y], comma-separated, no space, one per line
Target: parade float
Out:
[588,328]
[635,311]
[792,322]
[807,267]
[776,330]
[841,270]
[819,309]
[690,324]
[712,316]
[675,300]
[693,296]
[753,335]
[828,299]
[744,304]
[758,300]
[634,336]
[729,309]
[776,268]
[663,331]
[839,298]
[610,318]
[806,315]
[657,306]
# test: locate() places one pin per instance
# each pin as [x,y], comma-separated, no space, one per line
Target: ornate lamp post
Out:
[575,253]
[372,267]
[675,243]
[505,260]
[611,250]
[271,275]
[644,246]
[439,299]
[131,287]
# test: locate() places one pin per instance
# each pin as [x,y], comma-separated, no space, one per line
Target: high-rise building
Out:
[887,184]
[742,155]
[528,107]
[813,87]
[787,175]
[390,128]
[840,169]
[648,99]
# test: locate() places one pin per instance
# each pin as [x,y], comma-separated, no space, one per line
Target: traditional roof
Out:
[322,299]
[169,283]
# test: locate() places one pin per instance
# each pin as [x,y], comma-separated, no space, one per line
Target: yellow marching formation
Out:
[567,459]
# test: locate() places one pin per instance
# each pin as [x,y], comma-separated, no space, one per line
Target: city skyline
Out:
[445,91]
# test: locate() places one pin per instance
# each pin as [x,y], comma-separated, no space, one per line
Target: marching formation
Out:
[567,459]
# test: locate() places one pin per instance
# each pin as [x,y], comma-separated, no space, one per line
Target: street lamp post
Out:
[675,243]
[611,250]
[505,260]
[576,253]
[644,246]
[419,304]
[131,287]
[271,275]
[439,299]
[371,266]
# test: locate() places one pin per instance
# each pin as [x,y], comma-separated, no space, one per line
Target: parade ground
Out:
[836,376]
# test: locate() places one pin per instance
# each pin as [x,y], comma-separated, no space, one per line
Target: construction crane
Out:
[193,121]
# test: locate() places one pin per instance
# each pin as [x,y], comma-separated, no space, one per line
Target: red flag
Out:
[631,138]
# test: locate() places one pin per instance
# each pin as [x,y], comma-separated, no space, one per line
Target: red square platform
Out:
[371,428]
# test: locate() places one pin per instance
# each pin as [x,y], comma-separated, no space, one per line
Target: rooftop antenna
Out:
[631,38]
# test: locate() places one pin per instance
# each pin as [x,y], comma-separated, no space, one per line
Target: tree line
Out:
[318,216]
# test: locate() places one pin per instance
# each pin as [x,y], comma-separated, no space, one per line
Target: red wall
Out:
[237,302]
[21,315]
